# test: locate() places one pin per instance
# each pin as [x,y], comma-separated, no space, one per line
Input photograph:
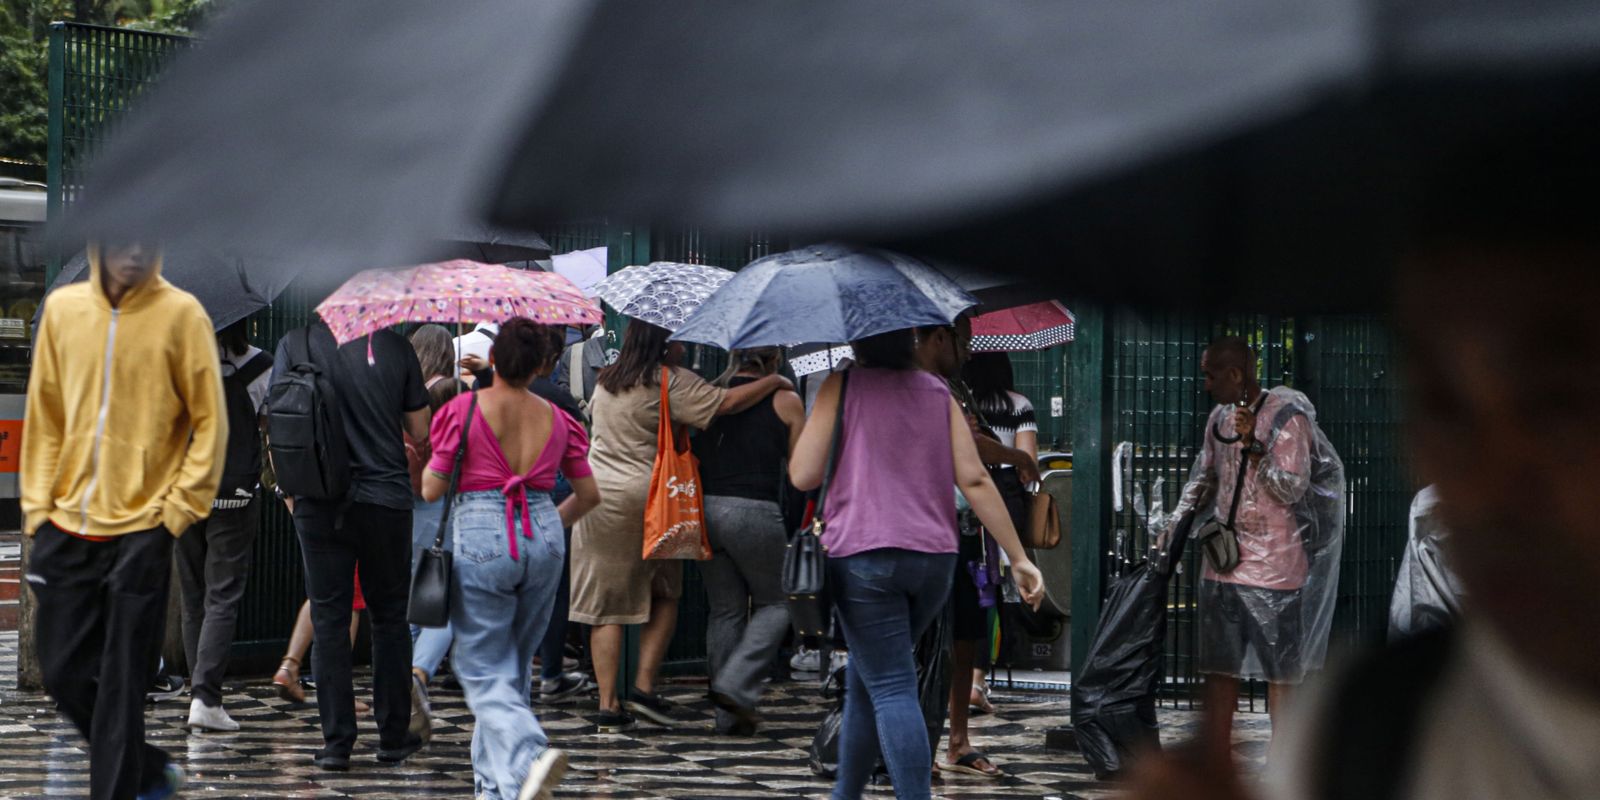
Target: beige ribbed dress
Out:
[612,584]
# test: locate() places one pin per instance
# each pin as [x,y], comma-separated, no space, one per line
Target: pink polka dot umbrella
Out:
[453,291]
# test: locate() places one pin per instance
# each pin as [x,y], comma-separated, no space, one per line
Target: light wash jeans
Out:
[428,645]
[499,609]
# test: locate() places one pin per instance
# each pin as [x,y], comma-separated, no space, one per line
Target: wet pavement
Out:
[42,756]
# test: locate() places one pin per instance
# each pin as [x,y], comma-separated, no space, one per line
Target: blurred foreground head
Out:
[1499,304]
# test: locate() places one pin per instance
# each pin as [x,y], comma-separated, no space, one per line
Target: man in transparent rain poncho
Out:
[1266,611]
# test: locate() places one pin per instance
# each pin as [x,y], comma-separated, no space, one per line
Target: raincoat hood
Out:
[136,296]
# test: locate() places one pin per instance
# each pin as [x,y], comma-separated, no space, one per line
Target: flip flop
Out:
[968,765]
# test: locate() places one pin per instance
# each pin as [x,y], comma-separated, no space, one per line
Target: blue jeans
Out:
[499,609]
[428,645]
[885,600]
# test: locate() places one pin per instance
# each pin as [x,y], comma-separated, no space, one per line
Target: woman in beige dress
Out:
[612,584]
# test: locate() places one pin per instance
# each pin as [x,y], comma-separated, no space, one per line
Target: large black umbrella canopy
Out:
[230,285]
[1142,149]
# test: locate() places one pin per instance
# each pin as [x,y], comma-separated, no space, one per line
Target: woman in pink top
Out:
[890,529]
[508,553]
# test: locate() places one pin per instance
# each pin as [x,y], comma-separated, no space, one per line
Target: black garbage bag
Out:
[824,750]
[1114,695]
[933,677]
[932,656]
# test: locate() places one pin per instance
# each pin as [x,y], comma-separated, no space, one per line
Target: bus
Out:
[22,284]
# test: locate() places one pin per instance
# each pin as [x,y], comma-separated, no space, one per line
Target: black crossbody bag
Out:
[805,561]
[1219,541]
[429,604]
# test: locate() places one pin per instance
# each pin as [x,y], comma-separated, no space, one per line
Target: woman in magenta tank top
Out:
[890,531]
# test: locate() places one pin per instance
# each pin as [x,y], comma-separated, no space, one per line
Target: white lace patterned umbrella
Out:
[662,293]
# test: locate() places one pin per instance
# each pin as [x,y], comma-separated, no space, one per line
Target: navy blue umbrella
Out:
[824,293]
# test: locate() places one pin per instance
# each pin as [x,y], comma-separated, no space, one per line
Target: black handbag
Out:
[429,604]
[805,560]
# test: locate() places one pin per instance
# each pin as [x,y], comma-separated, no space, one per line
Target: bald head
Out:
[1229,365]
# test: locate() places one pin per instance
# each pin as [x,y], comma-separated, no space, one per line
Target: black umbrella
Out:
[488,244]
[1144,149]
[231,286]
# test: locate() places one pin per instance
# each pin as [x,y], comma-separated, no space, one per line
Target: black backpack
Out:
[241,472]
[305,428]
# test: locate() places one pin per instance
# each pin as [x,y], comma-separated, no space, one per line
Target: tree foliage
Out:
[25,53]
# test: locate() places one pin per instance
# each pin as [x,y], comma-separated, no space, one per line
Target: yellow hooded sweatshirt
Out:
[125,428]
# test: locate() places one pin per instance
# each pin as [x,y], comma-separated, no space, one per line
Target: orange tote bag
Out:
[674,519]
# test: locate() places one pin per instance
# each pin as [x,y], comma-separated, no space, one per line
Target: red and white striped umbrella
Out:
[1036,326]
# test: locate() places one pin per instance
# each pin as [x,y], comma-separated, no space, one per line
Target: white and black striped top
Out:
[1008,422]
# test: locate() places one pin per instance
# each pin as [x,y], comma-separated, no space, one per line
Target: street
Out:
[41,756]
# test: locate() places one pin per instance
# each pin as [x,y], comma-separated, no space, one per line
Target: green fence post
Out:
[1090,424]
[56,148]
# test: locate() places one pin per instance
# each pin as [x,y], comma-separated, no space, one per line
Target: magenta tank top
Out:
[894,485]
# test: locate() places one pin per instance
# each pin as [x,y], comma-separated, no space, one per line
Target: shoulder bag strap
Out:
[833,455]
[1244,467]
[455,473]
[664,427]
[575,375]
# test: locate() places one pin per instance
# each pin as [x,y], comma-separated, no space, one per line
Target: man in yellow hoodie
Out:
[122,450]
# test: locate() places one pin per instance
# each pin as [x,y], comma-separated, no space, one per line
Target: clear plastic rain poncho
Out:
[1427,594]
[1268,618]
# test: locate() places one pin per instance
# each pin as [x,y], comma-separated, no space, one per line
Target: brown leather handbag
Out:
[1044,522]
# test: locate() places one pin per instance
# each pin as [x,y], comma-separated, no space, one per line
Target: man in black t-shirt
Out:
[380,394]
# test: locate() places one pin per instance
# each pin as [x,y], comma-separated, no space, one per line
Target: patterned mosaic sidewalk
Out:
[42,756]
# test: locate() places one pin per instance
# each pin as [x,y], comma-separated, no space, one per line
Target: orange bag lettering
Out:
[674,519]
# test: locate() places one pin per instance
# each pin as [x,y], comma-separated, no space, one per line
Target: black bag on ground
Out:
[824,751]
[1114,696]
[429,602]
[805,560]
[241,470]
[305,428]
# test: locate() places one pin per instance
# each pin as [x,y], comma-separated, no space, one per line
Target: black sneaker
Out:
[395,755]
[566,687]
[613,721]
[652,707]
[332,762]
[165,688]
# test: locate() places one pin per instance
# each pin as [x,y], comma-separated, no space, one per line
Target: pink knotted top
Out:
[484,467]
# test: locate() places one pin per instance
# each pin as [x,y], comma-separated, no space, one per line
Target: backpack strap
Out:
[1374,720]
[252,369]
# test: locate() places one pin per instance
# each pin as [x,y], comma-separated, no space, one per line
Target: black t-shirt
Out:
[375,398]
[558,397]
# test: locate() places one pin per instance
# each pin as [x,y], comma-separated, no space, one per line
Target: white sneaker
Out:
[544,776]
[806,660]
[210,718]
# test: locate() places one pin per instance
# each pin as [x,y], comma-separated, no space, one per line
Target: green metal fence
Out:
[96,73]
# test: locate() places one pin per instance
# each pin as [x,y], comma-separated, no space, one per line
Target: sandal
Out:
[979,704]
[287,680]
[968,765]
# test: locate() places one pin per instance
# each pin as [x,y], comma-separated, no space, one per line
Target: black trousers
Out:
[102,617]
[213,565]
[333,540]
